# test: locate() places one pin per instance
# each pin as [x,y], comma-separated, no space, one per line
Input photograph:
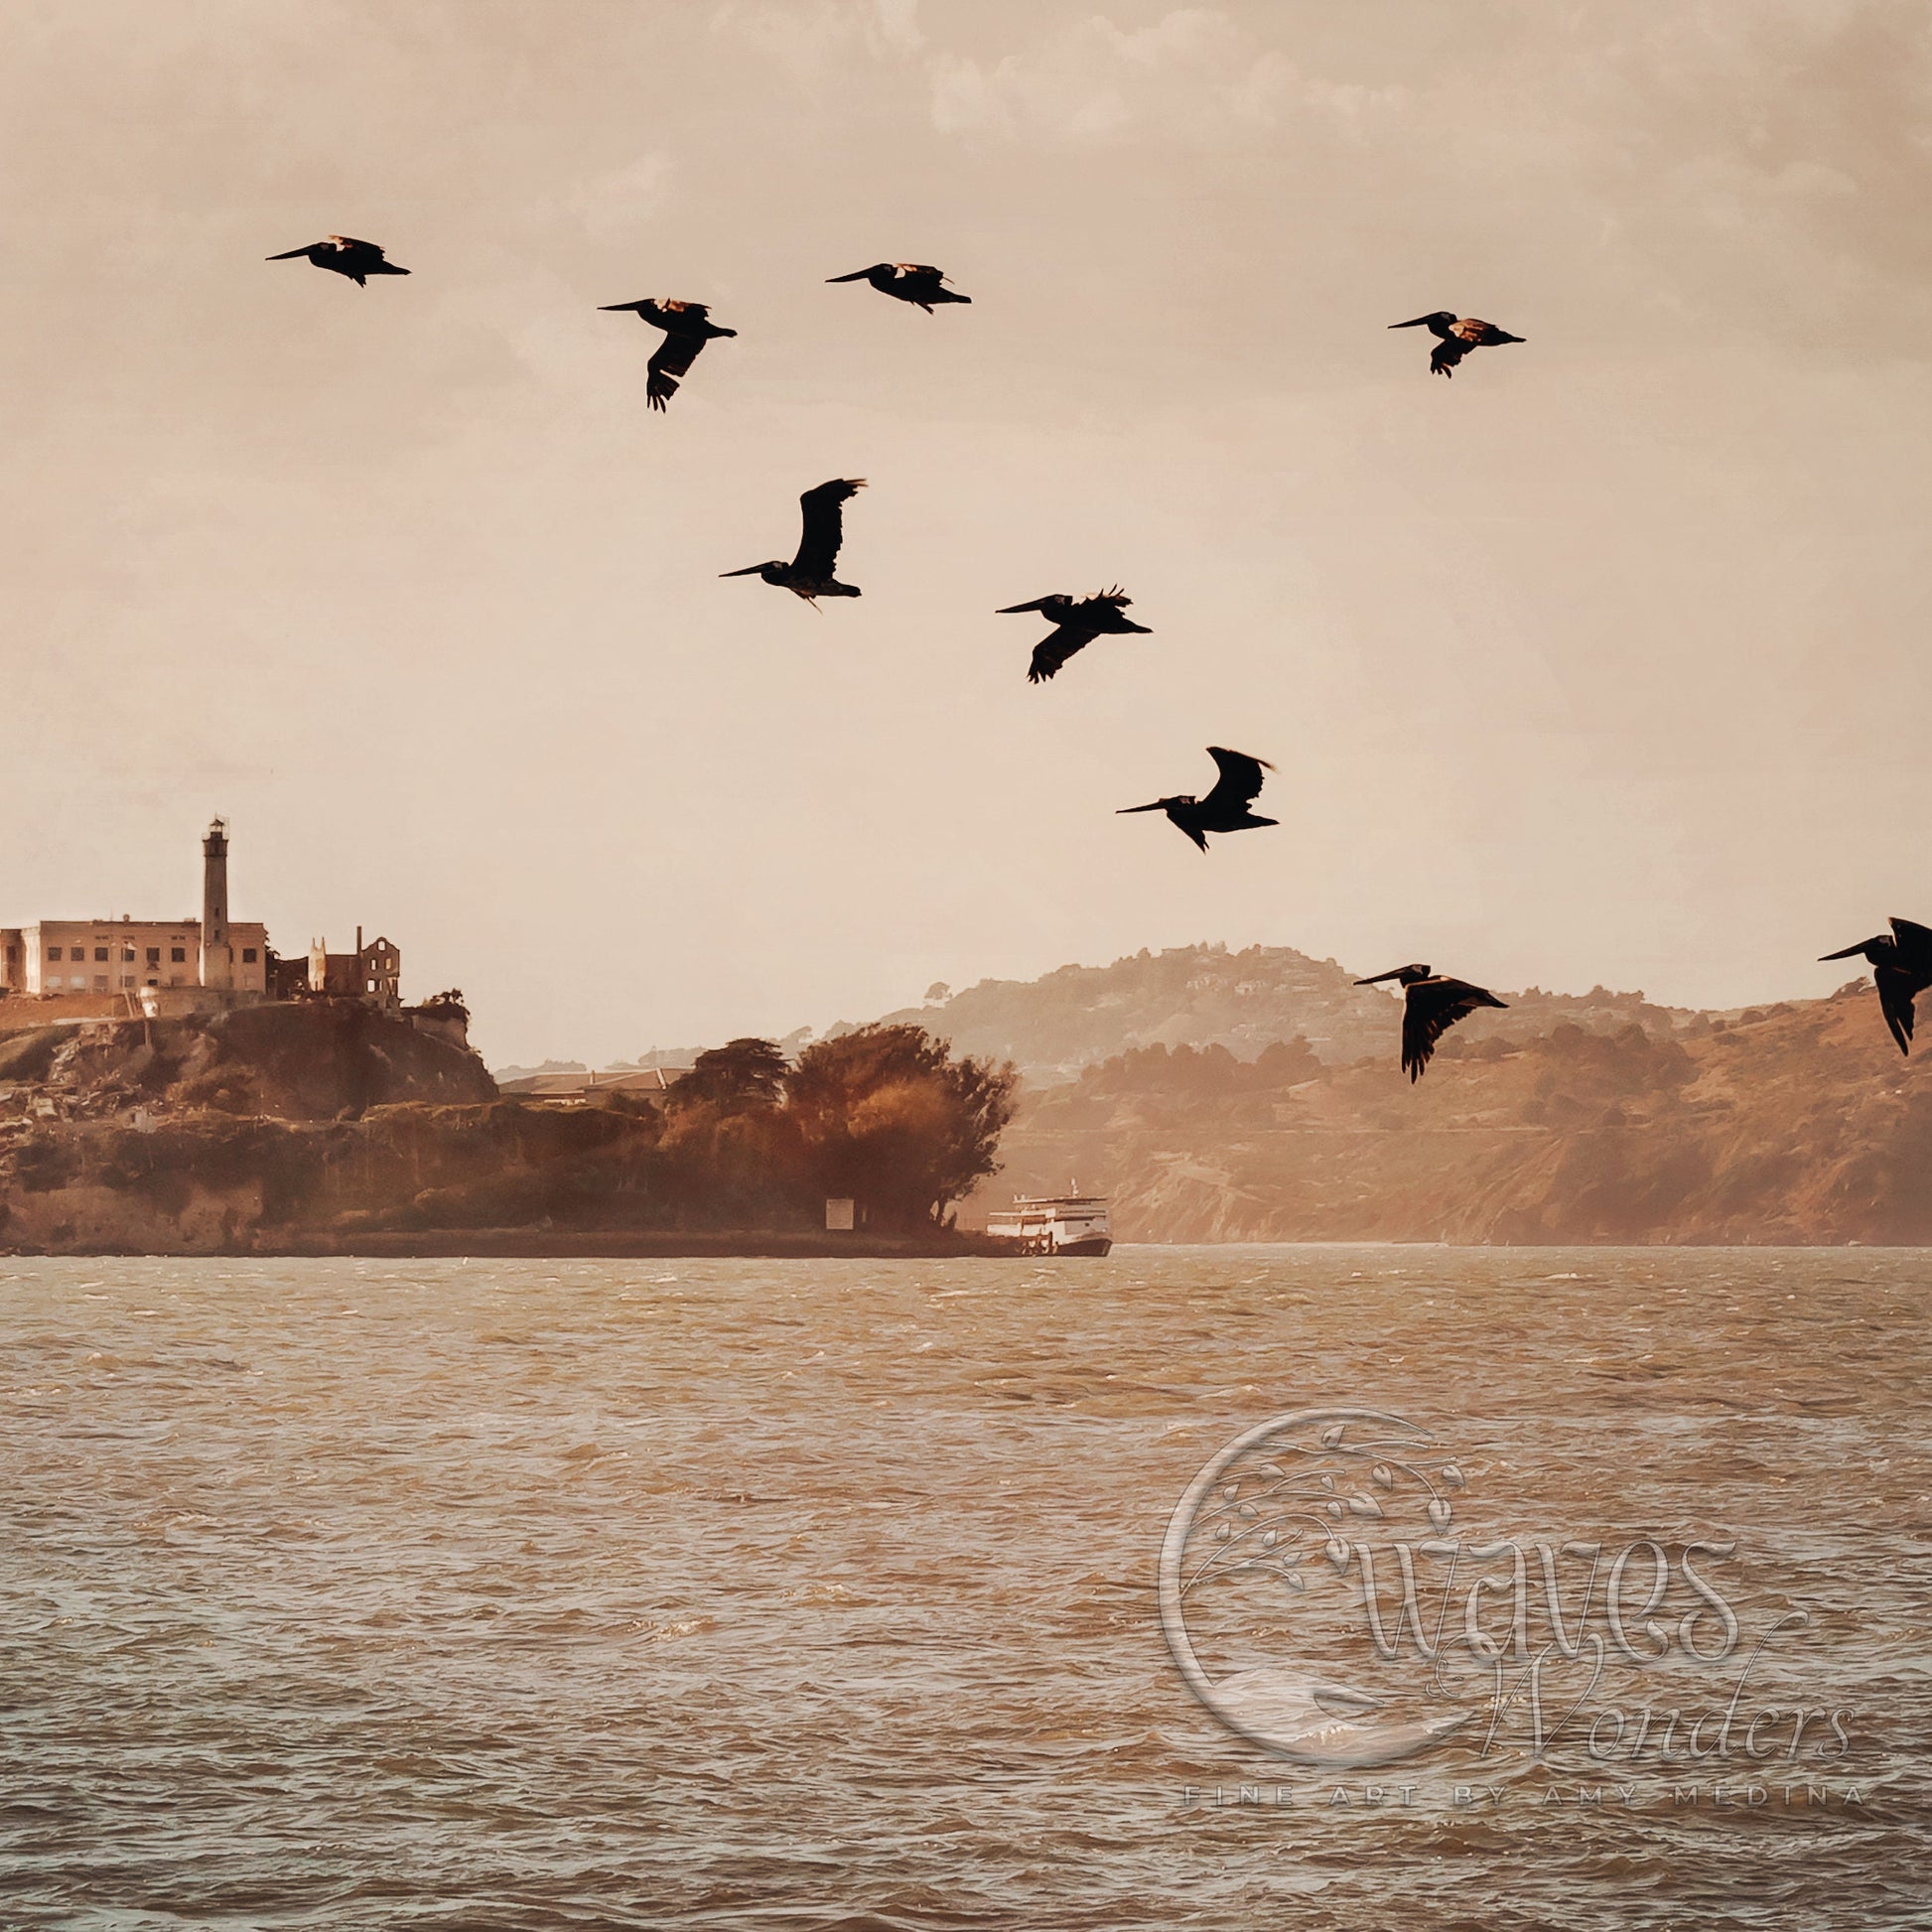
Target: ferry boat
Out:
[1054,1224]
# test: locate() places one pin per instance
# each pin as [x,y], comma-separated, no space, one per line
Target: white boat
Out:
[1054,1224]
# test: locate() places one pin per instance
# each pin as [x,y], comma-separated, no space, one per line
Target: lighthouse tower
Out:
[217,951]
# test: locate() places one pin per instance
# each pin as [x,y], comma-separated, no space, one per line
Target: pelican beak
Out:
[288,255]
[1159,805]
[857,275]
[619,308]
[1417,323]
[1850,952]
[1394,972]
[1013,610]
[749,570]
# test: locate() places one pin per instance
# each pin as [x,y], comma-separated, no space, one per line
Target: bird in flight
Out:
[809,574]
[1454,337]
[1901,967]
[1226,808]
[1430,1006]
[687,326]
[342,254]
[1077,622]
[905,282]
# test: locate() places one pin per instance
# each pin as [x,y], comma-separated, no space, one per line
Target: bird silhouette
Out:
[1454,337]
[1901,968]
[1430,1006]
[1077,622]
[809,574]
[911,282]
[1226,808]
[342,254]
[687,326]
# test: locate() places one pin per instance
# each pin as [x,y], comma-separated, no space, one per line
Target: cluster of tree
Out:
[883,1115]
[1204,1071]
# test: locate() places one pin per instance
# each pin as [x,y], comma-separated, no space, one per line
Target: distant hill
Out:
[1206,996]
[1798,1124]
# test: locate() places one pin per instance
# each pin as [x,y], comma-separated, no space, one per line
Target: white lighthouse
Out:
[218,947]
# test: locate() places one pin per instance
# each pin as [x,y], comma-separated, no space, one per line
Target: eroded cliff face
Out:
[195,1135]
[1801,1125]
[314,1060]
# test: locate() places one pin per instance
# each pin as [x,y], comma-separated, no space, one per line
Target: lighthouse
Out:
[217,950]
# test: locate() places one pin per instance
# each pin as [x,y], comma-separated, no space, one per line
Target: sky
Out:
[1604,662]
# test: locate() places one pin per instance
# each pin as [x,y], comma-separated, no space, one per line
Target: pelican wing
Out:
[1240,784]
[824,527]
[673,358]
[1447,353]
[1055,648]
[1431,1010]
[1914,941]
[1898,987]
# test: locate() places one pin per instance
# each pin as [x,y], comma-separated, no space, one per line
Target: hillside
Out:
[1801,1125]
[1206,996]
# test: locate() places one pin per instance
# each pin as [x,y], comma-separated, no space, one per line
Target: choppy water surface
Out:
[346,1593]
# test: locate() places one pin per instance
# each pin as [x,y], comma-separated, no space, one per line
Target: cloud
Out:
[810,37]
[1194,74]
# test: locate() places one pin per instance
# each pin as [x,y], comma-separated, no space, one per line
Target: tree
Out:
[743,1076]
[886,1115]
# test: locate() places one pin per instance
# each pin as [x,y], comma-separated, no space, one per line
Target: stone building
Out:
[174,965]
[121,957]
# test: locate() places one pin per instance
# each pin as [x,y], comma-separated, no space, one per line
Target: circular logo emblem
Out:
[1254,1574]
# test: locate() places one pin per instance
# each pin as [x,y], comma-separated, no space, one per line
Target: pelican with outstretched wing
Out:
[1077,622]
[1454,337]
[911,282]
[687,326]
[342,254]
[1431,1004]
[1226,808]
[809,574]
[1901,969]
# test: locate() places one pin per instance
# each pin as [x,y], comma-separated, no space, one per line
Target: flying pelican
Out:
[905,282]
[1901,966]
[1077,622]
[1430,1006]
[1226,808]
[342,254]
[1454,337]
[687,326]
[809,574]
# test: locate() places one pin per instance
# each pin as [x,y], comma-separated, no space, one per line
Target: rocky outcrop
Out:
[322,1059]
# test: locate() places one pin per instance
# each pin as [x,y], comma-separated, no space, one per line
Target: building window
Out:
[101,982]
[53,952]
[247,955]
[177,955]
[154,955]
[101,953]
[127,955]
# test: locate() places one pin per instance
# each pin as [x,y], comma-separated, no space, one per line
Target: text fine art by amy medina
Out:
[667,1261]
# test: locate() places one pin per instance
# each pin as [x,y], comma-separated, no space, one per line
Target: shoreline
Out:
[559,1243]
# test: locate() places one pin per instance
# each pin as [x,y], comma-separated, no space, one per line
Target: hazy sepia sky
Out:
[1606,661]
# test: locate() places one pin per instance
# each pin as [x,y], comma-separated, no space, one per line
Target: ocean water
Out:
[340,1593]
